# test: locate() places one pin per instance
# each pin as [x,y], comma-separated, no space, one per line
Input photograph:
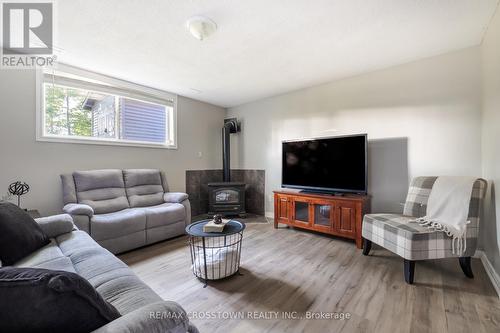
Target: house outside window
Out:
[79,109]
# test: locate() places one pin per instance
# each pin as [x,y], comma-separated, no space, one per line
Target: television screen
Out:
[336,164]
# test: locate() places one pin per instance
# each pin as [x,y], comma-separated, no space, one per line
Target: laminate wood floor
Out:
[302,273]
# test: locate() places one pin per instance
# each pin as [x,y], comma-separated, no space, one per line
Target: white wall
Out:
[491,140]
[422,118]
[41,163]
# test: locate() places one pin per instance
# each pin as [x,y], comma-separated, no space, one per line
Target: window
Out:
[85,110]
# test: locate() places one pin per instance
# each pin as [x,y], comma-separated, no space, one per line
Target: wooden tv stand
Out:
[326,213]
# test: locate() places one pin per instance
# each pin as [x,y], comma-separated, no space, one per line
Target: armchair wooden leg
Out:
[465,264]
[367,246]
[409,267]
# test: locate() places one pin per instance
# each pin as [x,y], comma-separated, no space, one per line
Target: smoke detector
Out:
[201,27]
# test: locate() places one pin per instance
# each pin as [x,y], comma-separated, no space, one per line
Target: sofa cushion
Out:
[145,195]
[20,235]
[124,243]
[112,278]
[135,177]
[98,265]
[103,190]
[164,181]
[94,179]
[143,187]
[105,201]
[75,241]
[164,214]
[46,253]
[48,257]
[158,234]
[68,189]
[112,225]
[127,293]
[65,302]
[161,317]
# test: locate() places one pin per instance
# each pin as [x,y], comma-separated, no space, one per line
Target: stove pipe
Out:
[230,126]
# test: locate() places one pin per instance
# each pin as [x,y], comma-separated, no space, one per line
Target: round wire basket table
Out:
[215,255]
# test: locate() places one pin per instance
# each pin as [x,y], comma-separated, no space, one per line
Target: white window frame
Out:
[112,86]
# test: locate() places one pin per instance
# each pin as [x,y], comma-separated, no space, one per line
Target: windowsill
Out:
[103,142]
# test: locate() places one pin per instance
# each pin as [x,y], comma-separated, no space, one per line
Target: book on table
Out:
[212,227]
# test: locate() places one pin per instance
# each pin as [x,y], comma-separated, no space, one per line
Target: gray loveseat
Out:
[125,209]
[75,251]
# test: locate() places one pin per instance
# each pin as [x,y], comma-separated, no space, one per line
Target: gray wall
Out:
[491,140]
[422,118]
[40,163]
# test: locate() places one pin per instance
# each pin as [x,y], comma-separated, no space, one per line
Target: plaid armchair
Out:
[415,242]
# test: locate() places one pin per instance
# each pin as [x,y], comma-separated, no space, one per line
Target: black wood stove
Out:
[226,197]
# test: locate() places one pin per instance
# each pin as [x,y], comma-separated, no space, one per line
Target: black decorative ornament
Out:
[19,188]
[217,218]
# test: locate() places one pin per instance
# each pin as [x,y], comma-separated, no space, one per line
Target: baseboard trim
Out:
[269,215]
[488,267]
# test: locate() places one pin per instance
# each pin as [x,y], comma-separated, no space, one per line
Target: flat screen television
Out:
[333,164]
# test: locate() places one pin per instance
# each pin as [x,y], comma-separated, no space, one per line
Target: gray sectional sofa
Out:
[125,209]
[141,309]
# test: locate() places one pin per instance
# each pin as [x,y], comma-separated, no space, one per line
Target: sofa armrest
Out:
[161,317]
[175,197]
[56,225]
[78,209]
[82,222]
[182,198]
[187,207]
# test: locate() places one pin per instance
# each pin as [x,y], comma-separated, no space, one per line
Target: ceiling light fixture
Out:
[201,27]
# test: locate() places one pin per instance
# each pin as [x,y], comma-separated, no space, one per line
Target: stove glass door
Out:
[226,195]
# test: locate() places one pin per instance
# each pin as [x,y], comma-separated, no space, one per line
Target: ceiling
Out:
[262,47]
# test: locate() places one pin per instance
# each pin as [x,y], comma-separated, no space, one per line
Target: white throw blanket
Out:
[448,208]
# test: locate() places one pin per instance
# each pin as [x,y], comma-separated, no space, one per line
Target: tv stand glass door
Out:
[301,212]
[323,217]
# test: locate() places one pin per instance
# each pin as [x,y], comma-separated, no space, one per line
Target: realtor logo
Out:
[27,35]
[27,28]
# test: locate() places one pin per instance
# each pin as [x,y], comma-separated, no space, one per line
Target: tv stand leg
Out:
[359,242]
